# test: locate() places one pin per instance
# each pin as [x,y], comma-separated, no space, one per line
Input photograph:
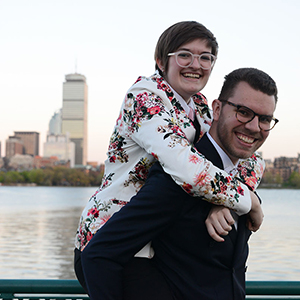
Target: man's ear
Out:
[216,106]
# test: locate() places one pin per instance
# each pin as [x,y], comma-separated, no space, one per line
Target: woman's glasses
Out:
[185,59]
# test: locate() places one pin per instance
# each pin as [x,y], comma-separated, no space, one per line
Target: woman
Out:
[154,125]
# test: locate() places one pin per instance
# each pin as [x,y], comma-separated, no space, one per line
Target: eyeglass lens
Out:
[185,59]
[245,115]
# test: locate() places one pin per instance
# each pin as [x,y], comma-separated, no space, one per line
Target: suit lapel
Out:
[206,148]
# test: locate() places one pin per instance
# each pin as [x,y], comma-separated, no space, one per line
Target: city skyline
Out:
[39,50]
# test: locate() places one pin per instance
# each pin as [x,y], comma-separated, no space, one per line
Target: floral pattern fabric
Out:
[152,125]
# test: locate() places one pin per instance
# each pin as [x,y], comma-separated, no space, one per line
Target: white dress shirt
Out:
[229,167]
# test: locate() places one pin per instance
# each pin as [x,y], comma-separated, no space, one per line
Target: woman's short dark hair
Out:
[179,34]
[257,79]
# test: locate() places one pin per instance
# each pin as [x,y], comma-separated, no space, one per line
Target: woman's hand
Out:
[256,215]
[219,222]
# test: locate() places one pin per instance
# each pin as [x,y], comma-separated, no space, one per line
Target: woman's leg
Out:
[78,268]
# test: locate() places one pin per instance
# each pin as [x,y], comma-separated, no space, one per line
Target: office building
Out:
[61,147]
[14,145]
[31,140]
[74,114]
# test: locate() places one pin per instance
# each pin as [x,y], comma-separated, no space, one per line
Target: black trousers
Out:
[142,280]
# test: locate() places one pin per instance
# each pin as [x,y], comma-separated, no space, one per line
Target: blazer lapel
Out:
[206,148]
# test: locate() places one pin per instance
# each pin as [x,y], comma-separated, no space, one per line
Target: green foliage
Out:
[36,176]
[25,175]
[294,180]
[58,176]
[278,179]
[14,176]
[2,177]
[269,178]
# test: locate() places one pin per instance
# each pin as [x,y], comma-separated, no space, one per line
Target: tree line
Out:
[57,176]
[61,176]
[292,182]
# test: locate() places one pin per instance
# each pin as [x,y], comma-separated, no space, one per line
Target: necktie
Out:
[191,114]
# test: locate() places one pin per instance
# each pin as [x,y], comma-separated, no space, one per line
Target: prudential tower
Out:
[74,114]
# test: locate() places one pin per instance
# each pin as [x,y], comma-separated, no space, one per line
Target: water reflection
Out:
[38,225]
[37,240]
[38,245]
[274,249]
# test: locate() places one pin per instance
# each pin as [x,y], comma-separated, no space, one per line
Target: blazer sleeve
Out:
[250,171]
[146,215]
[153,123]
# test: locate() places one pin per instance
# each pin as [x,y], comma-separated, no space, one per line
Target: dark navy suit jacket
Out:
[194,265]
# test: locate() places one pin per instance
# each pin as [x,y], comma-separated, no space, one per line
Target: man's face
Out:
[240,140]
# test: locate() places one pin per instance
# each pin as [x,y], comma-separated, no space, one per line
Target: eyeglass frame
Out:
[254,114]
[193,58]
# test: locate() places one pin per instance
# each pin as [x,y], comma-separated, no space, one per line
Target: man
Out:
[181,228]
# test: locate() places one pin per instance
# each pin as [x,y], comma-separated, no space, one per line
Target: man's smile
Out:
[245,138]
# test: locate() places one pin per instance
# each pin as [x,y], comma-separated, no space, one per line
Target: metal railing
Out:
[21,289]
[274,290]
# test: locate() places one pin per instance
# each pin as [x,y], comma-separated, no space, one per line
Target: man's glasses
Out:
[185,59]
[246,115]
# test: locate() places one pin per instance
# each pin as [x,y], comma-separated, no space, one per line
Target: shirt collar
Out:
[182,102]
[227,163]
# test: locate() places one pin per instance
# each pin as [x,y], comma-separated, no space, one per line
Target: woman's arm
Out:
[155,125]
[220,221]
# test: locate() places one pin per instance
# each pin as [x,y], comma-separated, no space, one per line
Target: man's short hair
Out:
[257,79]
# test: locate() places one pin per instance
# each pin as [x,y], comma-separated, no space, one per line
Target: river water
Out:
[38,225]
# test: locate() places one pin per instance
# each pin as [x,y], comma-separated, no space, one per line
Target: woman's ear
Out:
[216,106]
[160,65]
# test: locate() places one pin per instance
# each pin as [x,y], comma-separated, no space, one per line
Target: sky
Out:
[113,42]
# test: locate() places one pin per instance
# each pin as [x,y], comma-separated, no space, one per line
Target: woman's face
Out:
[190,80]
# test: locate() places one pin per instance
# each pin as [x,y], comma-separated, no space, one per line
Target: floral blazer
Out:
[152,126]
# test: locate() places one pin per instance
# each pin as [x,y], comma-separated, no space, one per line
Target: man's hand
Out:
[219,222]
[256,215]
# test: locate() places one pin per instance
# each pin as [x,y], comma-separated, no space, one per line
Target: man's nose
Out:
[253,125]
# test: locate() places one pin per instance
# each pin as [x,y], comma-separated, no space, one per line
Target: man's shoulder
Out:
[206,148]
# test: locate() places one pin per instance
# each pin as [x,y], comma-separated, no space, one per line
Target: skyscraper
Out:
[74,114]
[55,123]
